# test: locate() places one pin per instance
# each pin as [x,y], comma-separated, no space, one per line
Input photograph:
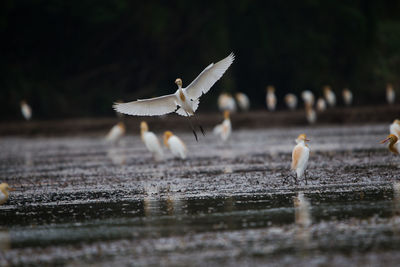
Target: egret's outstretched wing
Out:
[208,77]
[148,107]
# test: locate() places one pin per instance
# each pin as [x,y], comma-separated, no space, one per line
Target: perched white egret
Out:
[308,97]
[291,101]
[394,144]
[311,115]
[395,128]
[175,145]
[347,96]
[116,132]
[151,141]
[271,98]
[224,129]
[226,102]
[4,192]
[300,155]
[26,110]
[184,101]
[243,101]
[390,93]
[321,104]
[329,95]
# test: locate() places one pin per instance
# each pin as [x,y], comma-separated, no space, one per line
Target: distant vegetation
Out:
[74,58]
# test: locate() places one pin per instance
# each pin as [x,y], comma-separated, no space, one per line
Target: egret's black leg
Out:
[198,123]
[193,130]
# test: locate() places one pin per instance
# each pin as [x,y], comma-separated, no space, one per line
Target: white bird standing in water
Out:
[4,192]
[116,132]
[184,101]
[395,128]
[390,94]
[224,129]
[291,101]
[151,141]
[243,101]
[175,145]
[321,104]
[226,102]
[26,110]
[347,96]
[394,144]
[308,97]
[329,96]
[271,98]
[311,115]
[300,155]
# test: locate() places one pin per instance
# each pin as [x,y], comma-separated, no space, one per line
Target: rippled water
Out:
[80,201]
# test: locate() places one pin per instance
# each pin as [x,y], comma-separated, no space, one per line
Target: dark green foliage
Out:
[74,58]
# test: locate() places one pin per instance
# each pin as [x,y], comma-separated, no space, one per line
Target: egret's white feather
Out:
[195,105]
[208,77]
[148,107]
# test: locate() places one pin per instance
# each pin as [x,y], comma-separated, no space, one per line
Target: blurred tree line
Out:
[75,58]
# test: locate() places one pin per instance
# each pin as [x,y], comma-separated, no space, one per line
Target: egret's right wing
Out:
[148,107]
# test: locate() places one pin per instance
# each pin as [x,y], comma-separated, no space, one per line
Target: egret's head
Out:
[302,138]
[391,138]
[270,89]
[178,82]
[23,102]
[167,135]
[389,86]
[144,127]
[121,125]
[226,114]
[396,121]
[5,187]
[327,89]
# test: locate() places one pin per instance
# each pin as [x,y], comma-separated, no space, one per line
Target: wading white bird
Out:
[308,97]
[243,101]
[394,144]
[116,132]
[151,142]
[184,101]
[390,93]
[226,102]
[395,128]
[300,155]
[4,192]
[26,110]
[224,129]
[321,104]
[329,96]
[291,101]
[347,96]
[175,145]
[271,98]
[311,115]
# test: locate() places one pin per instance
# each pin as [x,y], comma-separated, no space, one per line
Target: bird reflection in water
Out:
[302,220]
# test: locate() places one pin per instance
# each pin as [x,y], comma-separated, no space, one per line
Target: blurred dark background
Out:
[75,58]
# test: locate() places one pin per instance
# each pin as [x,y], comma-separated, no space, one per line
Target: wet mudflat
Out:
[81,201]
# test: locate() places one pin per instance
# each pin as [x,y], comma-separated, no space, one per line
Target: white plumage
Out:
[321,104]
[224,129]
[308,97]
[347,97]
[185,100]
[330,96]
[395,128]
[300,156]
[390,94]
[175,145]
[311,115]
[243,101]
[291,101]
[116,132]
[151,142]
[226,102]
[26,110]
[271,98]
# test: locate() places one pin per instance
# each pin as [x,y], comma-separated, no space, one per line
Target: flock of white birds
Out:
[185,102]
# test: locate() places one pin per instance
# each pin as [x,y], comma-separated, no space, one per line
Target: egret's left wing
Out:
[208,77]
[148,107]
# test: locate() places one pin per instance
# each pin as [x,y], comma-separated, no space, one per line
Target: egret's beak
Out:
[385,140]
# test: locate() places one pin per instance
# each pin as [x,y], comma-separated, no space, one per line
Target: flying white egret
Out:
[184,101]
